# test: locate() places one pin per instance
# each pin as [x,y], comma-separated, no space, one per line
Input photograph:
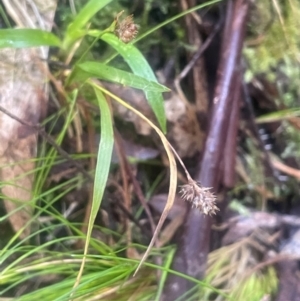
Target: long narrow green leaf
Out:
[22,38]
[74,30]
[164,275]
[87,12]
[102,71]
[102,170]
[141,67]
[104,156]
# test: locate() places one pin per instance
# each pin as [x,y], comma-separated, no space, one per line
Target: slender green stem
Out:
[111,28]
[148,32]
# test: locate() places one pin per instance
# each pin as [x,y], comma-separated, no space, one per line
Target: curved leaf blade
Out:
[115,75]
[74,31]
[87,12]
[140,67]
[102,170]
[104,155]
[26,37]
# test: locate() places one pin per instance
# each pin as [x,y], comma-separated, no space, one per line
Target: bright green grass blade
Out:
[141,67]
[93,69]
[101,173]
[87,12]
[133,57]
[22,38]
[164,274]
[104,156]
[81,20]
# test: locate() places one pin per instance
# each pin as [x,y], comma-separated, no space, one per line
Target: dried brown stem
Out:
[231,141]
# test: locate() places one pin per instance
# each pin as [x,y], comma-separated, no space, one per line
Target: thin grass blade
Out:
[23,38]
[140,67]
[102,170]
[173,173]
[102,71]
[74,30]
[104,155]
[87,12]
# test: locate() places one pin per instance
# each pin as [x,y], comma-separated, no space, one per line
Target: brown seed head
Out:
[200,197]
[126,30]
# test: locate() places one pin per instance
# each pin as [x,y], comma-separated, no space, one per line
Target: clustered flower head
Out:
[200,197]
[126,30]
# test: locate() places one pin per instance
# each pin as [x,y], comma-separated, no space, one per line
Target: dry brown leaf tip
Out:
[126,30]
[200,197]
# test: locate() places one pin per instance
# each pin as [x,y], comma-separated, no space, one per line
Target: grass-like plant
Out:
[101,272]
